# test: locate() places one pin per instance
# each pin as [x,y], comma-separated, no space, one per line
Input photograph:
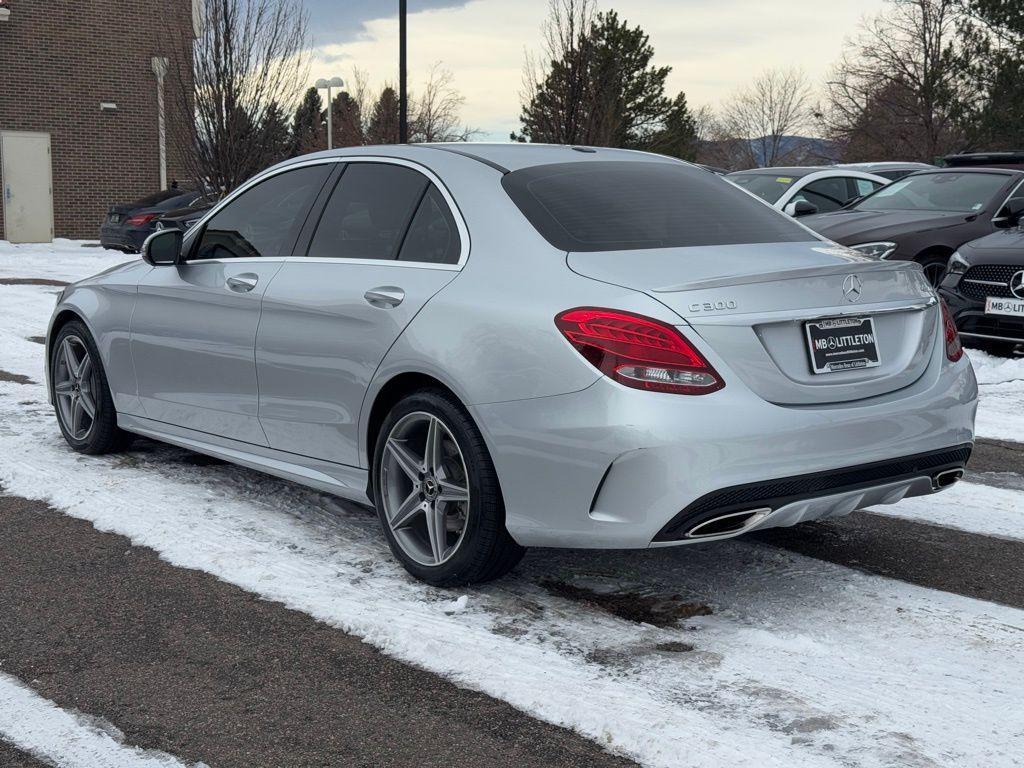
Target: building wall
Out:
[58,60]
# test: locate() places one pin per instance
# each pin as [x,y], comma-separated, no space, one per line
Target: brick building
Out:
[79,117]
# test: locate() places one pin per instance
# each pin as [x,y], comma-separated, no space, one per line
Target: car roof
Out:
[504,157]
[888,165]
[971,169]
[794,171]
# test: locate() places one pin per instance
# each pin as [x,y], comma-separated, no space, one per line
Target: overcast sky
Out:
[713,46]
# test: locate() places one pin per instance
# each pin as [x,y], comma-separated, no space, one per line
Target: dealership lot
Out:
[140,592]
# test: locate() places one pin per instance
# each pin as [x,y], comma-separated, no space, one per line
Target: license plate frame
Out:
[1007,307]
[839,344]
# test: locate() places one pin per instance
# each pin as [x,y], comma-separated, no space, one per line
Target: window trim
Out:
[453,208]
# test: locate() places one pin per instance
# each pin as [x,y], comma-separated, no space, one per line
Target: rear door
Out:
[193,334]
[385,242]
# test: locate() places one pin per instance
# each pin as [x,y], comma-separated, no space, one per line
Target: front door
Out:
[193,333]
[385,244]
[27,187]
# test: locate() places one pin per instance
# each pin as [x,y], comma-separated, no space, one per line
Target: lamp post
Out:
[403,100]
[334,82]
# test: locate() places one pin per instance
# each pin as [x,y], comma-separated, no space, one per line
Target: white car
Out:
[803,191]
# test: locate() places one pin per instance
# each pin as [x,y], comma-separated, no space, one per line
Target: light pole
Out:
[403,100]
[334,82]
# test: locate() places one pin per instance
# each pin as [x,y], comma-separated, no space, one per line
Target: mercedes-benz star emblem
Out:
[852,288]
[1017,284]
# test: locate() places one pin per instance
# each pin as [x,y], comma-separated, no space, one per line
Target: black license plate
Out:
[842,344]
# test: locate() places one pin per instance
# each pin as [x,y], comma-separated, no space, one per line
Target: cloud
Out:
[713,46]
[340,21]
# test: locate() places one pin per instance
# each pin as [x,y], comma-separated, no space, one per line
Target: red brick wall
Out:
[58,60]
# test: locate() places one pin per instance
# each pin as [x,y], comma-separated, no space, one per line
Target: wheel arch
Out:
[393,390]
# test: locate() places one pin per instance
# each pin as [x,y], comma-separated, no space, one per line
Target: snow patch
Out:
[68,739]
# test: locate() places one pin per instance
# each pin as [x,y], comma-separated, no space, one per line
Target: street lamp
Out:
[334,82]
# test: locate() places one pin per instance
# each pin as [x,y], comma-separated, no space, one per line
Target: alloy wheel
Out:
[75,387]
[425,488]
[934,271]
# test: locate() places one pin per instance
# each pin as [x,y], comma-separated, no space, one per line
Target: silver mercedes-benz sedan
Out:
[503,346]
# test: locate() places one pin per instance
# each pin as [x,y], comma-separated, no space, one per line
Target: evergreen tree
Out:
[383,125]
[347,120]
[307,126]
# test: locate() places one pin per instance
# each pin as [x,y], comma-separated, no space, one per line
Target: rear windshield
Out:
[166,200]
[623,205]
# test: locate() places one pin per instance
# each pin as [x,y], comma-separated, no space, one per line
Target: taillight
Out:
[139,219]
[638,351]
[954,349]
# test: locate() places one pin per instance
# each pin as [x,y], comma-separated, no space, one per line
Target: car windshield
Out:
[625,205]
[767,186]
[959,192]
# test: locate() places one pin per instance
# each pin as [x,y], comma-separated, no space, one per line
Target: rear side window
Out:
[368,212]
[623,205]
[262,221]
[433,237]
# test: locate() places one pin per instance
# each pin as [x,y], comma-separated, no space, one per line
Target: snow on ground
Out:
[967,506]
[68,260]
[68,739]
[800,662]
[1001,407]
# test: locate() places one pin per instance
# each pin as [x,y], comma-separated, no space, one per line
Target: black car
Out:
[1010,159]
[184,218]
[926,216]
[984,288]
[126,227]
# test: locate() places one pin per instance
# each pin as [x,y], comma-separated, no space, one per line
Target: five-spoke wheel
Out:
[437,493]
[425,489]
[74,387]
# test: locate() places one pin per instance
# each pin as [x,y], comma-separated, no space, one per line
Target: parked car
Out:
[806,191]
[126,227]
[184,218]
[503,346]
[889,170]
[984,287]
[925,217]
[1012,159]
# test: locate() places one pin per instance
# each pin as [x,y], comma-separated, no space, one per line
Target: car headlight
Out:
[957,265]
[875,250]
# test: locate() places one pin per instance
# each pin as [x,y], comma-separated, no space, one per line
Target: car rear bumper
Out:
[612,467]
[112,236]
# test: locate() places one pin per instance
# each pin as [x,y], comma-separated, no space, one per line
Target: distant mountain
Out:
[804,150]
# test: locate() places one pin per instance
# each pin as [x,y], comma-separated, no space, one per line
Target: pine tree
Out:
[383,125]
[307,126]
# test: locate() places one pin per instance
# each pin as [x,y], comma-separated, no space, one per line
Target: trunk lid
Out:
[751,304]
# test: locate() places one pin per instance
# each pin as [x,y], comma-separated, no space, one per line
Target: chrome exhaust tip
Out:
[728,525]
[947,478]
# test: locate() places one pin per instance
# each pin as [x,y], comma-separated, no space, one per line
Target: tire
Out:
[481,549]
[102,434]
[934,266]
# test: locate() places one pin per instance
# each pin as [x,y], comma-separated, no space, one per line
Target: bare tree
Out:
[775,105]
[435,113]
[896,91]
[247,63]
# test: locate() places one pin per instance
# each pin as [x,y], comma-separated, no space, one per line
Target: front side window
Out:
[368,212]
[825,194]
[628,205]
[955,192]
[865,186]
[262,221]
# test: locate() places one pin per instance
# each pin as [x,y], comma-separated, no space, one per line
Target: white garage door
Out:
[27,186]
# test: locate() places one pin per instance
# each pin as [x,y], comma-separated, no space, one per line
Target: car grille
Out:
[999,326]
[986,274]
[777,493]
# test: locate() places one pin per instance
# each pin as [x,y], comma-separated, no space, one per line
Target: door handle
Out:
[242,283]
[384,296]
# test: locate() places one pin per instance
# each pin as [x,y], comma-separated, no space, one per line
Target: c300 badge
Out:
[713,306]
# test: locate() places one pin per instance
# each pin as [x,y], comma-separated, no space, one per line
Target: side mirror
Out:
[1011,214]
[800,208]
[162,248]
